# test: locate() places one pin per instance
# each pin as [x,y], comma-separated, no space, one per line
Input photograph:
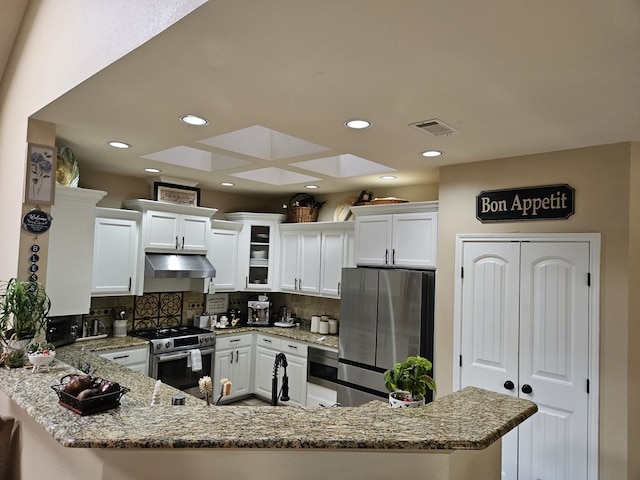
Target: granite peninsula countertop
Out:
[470,419]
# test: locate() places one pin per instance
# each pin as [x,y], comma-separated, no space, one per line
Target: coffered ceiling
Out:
[277,79]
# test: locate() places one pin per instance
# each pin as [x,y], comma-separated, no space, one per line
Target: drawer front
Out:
[224,342]
[267,341]
[289,347]
[127,356]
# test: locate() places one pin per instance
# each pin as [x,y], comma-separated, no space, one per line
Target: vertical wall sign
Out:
[550,202]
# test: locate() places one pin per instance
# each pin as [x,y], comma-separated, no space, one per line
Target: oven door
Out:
[173,369]
[322,367]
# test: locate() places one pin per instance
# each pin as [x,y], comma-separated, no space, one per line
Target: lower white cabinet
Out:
[267,347]
[134,358]
[318,395]
[234,361]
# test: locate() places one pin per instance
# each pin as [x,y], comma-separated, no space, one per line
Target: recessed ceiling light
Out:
[194,120]
[431,153]
[388,177]
[311,186]
[117,144]
[152,170]
[227,184]
[358,123]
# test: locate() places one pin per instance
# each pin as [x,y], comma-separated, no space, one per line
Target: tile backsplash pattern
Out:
[153,310]
[105,308]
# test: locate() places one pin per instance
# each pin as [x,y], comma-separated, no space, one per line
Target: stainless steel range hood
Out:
[167,265]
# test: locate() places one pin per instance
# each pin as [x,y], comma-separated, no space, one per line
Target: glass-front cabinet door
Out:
[257,249]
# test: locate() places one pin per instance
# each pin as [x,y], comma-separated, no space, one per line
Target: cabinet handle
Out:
[231,361]
[177,242]
[234,340]
[393,257]
[129,283]
[339,287]
[120,357]
[295,283]
[299,284]
[182,243]
[386,256]
[266,340]
[246,282]
[295,347]
[237,353]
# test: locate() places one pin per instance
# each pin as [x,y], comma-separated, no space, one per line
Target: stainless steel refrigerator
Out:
[386,315]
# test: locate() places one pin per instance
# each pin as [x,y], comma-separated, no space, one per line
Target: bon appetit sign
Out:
[549,202]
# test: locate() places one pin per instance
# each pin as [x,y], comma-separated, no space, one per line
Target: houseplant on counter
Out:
[408,382]
[24,306]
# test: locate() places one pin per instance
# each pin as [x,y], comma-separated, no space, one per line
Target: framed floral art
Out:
[41,174]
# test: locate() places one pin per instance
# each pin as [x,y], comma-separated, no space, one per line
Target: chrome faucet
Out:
[281,359]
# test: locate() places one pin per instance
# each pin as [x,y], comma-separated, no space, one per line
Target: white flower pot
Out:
[398,400]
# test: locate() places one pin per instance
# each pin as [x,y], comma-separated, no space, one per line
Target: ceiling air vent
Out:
[434,127]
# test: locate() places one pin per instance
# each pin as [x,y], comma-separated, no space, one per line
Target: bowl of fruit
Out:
[85,395]
[40,355]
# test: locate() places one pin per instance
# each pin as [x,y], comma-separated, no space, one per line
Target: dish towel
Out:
[194,360]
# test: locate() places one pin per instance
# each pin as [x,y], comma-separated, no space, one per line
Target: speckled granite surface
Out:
[329,341]
[466,420]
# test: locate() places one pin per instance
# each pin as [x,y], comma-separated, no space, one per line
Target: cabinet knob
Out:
[526,388]
[509,385]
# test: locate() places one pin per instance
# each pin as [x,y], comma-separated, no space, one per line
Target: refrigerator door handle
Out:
[386,257]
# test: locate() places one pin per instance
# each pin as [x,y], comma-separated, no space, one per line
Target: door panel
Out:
[490,315]
[554,359]
[525,314]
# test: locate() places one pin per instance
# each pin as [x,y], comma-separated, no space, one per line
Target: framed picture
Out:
[176,194]
[40,185]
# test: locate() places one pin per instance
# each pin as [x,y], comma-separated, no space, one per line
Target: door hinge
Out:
[460,360]
[588,386]
[589,279]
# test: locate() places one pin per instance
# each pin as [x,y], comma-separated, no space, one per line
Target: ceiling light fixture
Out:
[358,123]
[117,144]
[227,184]
[311,186]
[152,170]
[388,177]
[194,120]
[431,153]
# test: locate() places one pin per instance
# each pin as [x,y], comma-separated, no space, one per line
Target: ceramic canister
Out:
[333,326]
[324,327]
[315,324]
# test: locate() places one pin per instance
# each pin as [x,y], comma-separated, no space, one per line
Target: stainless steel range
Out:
[180,356]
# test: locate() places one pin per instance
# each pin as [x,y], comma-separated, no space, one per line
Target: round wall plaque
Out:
[36,221]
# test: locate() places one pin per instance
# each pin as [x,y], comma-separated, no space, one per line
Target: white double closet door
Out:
[524,331]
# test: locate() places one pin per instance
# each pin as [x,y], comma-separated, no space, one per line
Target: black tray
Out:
[91,405]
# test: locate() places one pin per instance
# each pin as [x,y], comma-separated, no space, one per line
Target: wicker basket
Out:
[88,406]
[302,214]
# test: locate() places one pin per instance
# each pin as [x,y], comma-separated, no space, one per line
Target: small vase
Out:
[398,399]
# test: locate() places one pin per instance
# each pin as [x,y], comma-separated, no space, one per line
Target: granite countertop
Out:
[301,334]
[470,419]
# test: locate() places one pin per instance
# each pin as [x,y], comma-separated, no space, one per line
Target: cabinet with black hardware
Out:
[233,361]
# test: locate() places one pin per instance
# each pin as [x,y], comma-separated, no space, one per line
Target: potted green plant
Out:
[24,306]
[408,382]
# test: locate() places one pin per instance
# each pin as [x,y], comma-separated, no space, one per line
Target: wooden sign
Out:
[551,202]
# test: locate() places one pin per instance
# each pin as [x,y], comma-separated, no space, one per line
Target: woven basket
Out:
[302,214]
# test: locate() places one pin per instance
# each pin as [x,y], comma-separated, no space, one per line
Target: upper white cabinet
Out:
[116,252]
[300,265]
[257,249]
[223,255]
[70,257]
[397,235]
[168,228]
[313,255]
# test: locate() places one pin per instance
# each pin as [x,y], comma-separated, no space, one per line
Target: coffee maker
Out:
[258,313]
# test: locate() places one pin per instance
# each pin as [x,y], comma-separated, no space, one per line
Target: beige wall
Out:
[55,51]
[601,178]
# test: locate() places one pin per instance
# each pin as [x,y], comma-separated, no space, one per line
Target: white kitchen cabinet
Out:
[300,266]
[116,252]
[70,256]
[234,361]
[169,228]
[223,255]
[317,395]
[267,347]
[313,255]
[397,235]
[258,244]
[134,358]
[172,231]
